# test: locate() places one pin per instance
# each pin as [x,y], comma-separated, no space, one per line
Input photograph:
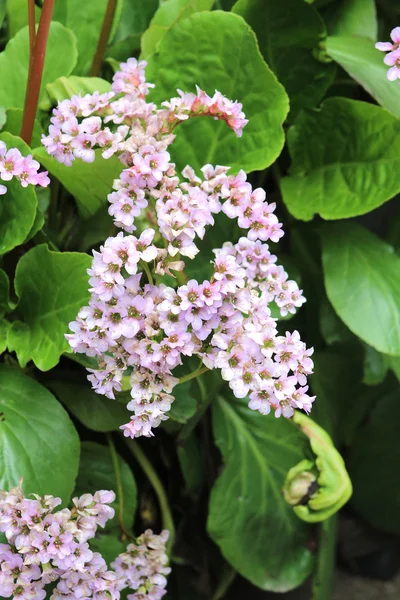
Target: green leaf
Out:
[345,160]
[246,505]
[14,62]
[17,206]
[352,17]
[89,183]
[37,439]
[94,411]
[364,63]
[65,87]
[108,545]
[289,33]
[13,123]
[166,17]
[51,287]
[85,19]
[4,327]
[376,366]
[362,281]
[4,293]
[184,405]
[135,19]
[373,465]
[208,63]
[191,459]
[17,16]
[96,472]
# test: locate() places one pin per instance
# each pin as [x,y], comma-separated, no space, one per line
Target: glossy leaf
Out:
[345,160]
[65,87]
[359,57]
[352,17]
[362,282]
[14,61]
[93,410]
[89,183]
[373,465]
[37,438]
[247,507]
[47,304]
[167,16]
[180,63]
[96,472]
[17,206]
[289,34]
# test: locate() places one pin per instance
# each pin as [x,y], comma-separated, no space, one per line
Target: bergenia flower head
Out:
[143,328]
[392,59]
[24,168]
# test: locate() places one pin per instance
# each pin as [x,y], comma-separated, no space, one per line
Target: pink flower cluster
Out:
[23,168]
[45,547]
[392,59]
[142,330]
[143,567]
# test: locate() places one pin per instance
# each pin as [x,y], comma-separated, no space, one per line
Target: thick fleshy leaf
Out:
[93,410]
[14,61]
[65,87]
[289,34]
[247,507]
[85,19]
[96,472]
[168,14]
[13,123]
[51,287]
[37,438]
[89,183]
[345,160]
[373,464]
[362,282]
[17,206]
[359,57]
[351,17]
[209,63]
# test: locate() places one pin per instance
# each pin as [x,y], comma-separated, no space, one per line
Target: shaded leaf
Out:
[13,125]
[352,17]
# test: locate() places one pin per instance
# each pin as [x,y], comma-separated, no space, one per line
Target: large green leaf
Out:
[37,439]
[209,63]
[373,464]
[135,19]
[17,16]
[4,293]
[13,125]
[85,19]
[258,533]
[288,35]
[51,287]
[168,14]
[345,160]
[96,472]
[363,285]
[17,206]
[14,62]
[352,17]
[364,63]
[65,87]
[89,183]
[93,410]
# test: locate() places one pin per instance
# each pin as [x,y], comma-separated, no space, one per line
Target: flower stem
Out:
[36,72]
[120,491]
[158,488]
[193,374]
[325,567]
[146,269]
[103,38]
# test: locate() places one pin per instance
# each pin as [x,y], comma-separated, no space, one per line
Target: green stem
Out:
[103,38]
[193,374]
[36,72]
[120,491]
[227,577]
[324,574]
[158,488]
[146,269]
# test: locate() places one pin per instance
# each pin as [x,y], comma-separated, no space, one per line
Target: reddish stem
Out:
[36,72]
[32,29]
[103,38]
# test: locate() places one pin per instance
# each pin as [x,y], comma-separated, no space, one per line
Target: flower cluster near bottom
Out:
[51,548]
